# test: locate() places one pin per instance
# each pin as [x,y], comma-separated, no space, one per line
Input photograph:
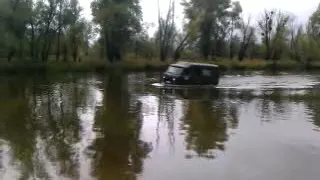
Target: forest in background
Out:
[44,31]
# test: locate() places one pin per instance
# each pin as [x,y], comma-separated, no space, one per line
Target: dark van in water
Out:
[185,73]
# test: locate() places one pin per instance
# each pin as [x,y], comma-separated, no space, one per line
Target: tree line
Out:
[46,30]
[40,30]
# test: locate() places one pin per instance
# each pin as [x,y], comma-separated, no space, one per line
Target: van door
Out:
[186,76]
[198,78]
[207,74]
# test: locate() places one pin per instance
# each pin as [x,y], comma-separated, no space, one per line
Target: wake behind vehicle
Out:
[191,74]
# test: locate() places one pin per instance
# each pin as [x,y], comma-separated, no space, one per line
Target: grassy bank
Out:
[145,65]
[85,66]
[257,64]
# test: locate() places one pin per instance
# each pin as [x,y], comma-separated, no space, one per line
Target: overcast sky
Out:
[301,9]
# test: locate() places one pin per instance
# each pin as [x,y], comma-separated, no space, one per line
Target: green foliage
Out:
[216,22]
[309,49]
[42,31]
[314,23]
[274,30]
[247,39]
[119,21]
[32,27]
[166,32]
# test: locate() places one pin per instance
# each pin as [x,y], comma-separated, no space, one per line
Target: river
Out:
[253,126]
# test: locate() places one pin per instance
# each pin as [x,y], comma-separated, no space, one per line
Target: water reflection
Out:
[206,121]
[206,128]
[117,127]
[277,104]
[16,125]
[45,125]
[118,152]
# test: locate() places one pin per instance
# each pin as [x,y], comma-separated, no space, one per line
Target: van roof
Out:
[188,64]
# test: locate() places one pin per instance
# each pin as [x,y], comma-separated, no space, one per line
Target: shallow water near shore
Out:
[118,126]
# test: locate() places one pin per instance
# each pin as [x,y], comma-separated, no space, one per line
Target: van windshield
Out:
[175,70]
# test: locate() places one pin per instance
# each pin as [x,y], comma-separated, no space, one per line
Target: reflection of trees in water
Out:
[234,116]
[313,103]
[206,119]
[60,126]
[206,128]
[1,151]
[16,124]
[166,114]
[268,103]
[118,152]
[272,104]
[41,126]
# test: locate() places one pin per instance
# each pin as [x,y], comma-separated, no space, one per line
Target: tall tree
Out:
[281,33]
[296,33]
[119,21]
[61,22]
[274,27]
[15,17]
[247,33]
[314,23]
[266,27]
[212,15]
[76,28]
[182,43]
[234,24]
[166,30]
[48,14]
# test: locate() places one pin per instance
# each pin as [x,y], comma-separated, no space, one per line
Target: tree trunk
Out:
[213,53]
[32,51]
[162,54]
[180,48]
[11,54]
[58,46]
[65,52]
[218,48]
[20,49]
[59,31]
[75,52]
[244,47]
[231,51]
[231,40]
[177,55]
[241,53]
[110,52]
[43,56]
[109,47]
[268,52]
[44,47]
[206,31]
[48,50]
[37,48]
[205,47]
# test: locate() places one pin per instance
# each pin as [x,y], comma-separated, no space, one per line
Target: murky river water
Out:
[251,127]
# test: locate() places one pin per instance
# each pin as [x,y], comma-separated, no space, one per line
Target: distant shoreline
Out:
[154,65]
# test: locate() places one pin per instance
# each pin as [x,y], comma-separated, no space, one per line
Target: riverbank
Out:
[85,66]
[154,65]
[256,64]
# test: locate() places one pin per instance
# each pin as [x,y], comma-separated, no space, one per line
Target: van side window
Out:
[206,72]
[197,71]
[186,71]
